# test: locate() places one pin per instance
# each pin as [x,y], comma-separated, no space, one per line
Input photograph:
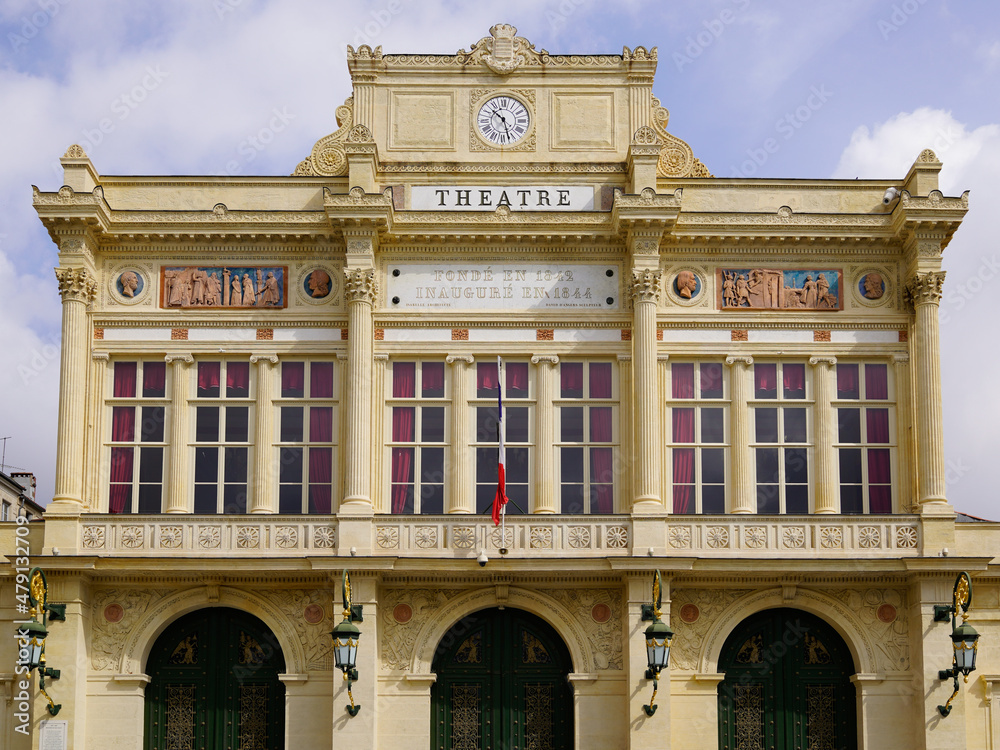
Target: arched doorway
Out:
[787,685]
[214,684]
[501,683]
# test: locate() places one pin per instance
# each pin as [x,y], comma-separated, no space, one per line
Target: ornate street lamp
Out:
[658,636]
[964,637]
[345,642]
[31,634]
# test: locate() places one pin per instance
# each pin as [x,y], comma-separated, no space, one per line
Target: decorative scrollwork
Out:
[360,285]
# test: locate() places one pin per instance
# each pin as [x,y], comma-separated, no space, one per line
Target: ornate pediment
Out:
[676,157]
[503,51]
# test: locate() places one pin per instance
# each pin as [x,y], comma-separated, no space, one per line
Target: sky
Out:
[847,88]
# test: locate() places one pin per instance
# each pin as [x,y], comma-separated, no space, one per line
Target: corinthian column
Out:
[645,292]
[264,499]
[924,291]
[459,466]
[545,433]
[826,478]
[743,498]
[179,496]
[77,288]
[360,289]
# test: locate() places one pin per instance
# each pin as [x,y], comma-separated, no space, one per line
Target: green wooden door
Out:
[787,685]
[501,683]
[214,685]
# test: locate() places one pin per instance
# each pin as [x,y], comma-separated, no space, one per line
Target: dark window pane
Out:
[149,498]
[600,380]
[795,425]
[571,380]
[403,427]
[237,424]
[713,466]
[797,499]
[321,379]
[767,425]
[484,497]
[151,465]
[206,464]
[293,379]
[432,427]
[321,424]
[682,424]
[516,424]
[768,500]
[486,465]
[571,499]
[516,382]
[432,380]
[432,465]
[682,380]
[847,381]
[711,380]
[712,426]
[765,381]
[123,424]
[290,498]
[850,466]
[486,424]
[402,498]
[571,421]
[208,380]
[154,379]
[205,498]
[151,429]
[291,424]
[796,466]
[432,498]
[793,380]
[767,465]
[602,465]
[517,466]
[878,425]
[851,499]
[571,460]
[713,499]
[290,466]
[206,424]
[236,465]
[234,498]
[876,382]
[517,495]
[237,380]
[849,425]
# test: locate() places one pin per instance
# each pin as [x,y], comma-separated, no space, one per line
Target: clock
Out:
[503,120]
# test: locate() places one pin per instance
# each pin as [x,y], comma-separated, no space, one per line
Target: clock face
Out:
[503,120]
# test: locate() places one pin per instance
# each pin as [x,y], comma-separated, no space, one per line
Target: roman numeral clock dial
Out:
[503,120]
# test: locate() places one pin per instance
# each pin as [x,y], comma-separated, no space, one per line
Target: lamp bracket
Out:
[649,675]
[56,612]
[947,674]
[53,673]
[647,613]
[943,612]
[352,675]
[356,613]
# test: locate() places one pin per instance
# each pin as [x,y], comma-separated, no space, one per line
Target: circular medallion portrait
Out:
[317,284]
[687,285]
[872,286]
[130,284]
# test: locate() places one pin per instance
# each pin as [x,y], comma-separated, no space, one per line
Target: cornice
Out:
[173,322]
[772,325]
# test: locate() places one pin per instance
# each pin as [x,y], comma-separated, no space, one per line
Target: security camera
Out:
[890,195]
[482,559]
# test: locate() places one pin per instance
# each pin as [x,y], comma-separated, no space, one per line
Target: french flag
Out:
[500,500]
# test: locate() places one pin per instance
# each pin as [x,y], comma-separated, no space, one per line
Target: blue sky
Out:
[847,88]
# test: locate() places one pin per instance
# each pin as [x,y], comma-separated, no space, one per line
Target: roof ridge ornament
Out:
[676,157]
[328,158]
[503,51]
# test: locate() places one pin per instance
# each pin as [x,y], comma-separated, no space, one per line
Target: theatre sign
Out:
[491,197]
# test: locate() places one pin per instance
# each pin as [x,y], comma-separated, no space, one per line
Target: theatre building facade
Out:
[268,381]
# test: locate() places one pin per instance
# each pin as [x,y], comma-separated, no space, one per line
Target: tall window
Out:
[586,437]
[516,416]
[698,437]
[138,412]
[307,436]
[222,437]
[865,438]
[418,437]
[781,437]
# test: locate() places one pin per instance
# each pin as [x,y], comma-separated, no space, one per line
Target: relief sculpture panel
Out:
[784,289]
[224,286]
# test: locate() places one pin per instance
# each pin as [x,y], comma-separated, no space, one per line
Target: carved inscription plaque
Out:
[783,289]
[224,286]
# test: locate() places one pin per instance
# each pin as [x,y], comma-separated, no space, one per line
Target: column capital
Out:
[745,361]
[76,284]
[645,285]
[900,359]
[545,359]
[466,359]
[262,358]
[380,358]
[925,288]
[827,361]
[180,359]
[100,356]
[625,358]
[360,285]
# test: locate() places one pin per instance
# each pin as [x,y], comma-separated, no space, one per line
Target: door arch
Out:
[787,685]
[214,684]
[501,683]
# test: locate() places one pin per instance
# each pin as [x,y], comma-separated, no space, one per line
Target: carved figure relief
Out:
[872,285]
[768,289]
[108,637]
[687,284]
[891,639]
[711,603]
[314,636]
[399,637]
[223,286]
[604,635]
[318,284]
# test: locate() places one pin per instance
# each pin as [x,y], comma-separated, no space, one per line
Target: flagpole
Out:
[503,507]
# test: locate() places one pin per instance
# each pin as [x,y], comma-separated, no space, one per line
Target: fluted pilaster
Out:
[264,498]
[645,293]
[459,469]
[378,488]
[824,465]
[545,432]
[743,499]
[904,433]
[179,497]
[360,290]
[92,497]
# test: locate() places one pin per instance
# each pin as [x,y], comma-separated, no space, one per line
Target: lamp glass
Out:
[345,652]
[658,637]
[966,642]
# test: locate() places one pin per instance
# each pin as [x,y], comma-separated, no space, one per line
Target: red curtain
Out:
[154,378]
[516,383]
[879,481]
[432,379]
[683,420]
[682,380]
[765,380]
[402,424]
[123,424]
[320,476]
[878,425]
[600,380]
[602,480]
[571,379]
[600,424]
[293,379]
[877,382]
[124,379]
[120,498]
[208,375]
[404,379]
[847,381]
[794,380]
[321,380]
[321,424]
[238,376]
[711,380]
[486,376]
[402,477]
[683,480]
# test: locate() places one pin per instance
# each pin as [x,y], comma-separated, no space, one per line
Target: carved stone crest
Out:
[503,51]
